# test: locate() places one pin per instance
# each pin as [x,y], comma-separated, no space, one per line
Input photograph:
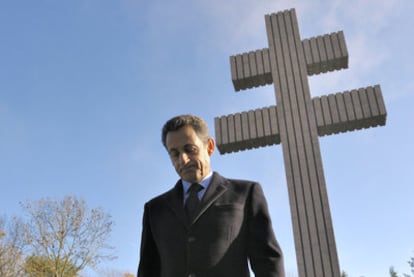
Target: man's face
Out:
[189,155]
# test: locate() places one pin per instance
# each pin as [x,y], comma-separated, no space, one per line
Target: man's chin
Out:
[190,177]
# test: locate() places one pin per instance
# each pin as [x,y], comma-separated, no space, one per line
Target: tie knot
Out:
[195,188]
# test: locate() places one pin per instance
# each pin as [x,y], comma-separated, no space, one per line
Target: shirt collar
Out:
[204,183]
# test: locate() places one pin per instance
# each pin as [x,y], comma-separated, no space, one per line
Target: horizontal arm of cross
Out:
[322,54]
[334,113]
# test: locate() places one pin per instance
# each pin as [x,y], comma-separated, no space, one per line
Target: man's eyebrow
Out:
[172,150]
[183,147]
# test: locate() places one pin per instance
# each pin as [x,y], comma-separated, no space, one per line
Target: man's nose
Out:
[184,158]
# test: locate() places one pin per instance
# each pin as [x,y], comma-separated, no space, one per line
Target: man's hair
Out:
[177,122]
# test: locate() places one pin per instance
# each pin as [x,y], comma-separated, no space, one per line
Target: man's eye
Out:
[173,154]
[191,150]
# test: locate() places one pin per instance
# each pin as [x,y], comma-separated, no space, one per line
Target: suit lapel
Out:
[176,202]
[214,191]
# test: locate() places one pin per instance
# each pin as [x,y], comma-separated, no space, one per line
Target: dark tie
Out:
[191,205]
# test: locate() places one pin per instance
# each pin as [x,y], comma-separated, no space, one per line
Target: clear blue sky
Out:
[86,85]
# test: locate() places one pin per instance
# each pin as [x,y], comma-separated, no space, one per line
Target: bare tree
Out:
[11,258]
[36,266]
[411,263]
[114,273]
[65,236]
[393,273]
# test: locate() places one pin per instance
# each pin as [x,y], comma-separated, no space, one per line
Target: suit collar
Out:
[176,201]
[216,188]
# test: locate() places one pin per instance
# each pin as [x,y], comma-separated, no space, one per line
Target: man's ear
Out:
[210,146]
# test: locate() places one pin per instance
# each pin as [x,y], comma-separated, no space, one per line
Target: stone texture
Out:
[335,113]
[296,122]
[322,54]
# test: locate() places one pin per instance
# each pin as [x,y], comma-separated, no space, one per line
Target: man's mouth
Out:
[189,168]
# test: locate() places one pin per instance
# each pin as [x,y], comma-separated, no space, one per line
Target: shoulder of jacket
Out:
[235,180]
[160,198]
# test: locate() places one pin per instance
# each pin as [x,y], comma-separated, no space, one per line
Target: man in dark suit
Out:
[207,225]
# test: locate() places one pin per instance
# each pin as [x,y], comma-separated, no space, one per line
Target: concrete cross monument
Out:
[296,122]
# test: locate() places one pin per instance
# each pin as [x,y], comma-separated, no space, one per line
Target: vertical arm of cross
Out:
[312,226]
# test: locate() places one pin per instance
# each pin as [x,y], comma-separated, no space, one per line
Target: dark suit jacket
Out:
[231,228]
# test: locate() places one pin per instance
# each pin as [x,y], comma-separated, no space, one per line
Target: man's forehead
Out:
[181,137]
